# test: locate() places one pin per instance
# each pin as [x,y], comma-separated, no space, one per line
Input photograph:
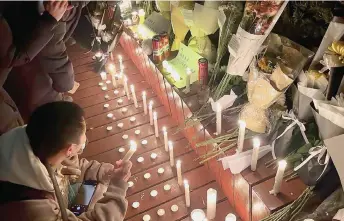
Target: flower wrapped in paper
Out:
[269,78]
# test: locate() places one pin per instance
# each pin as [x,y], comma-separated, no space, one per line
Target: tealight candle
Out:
[103,75]
[154,193]
[131,151]
[144,142]
[156,129]
[146,217]
[188,75]
[167,187]
[137,132]
[255,153]
[241,135]
[110,115]
[161,170]
[132,88]
[106,97]
[124,110]
[125,79]
[135,205]
[106,105]
[125,136]
[121,150]
[279,177]
[150,108]
[153,156]
[147,176]
[218,118]
[211,203]
[230,217]
[170,145]
[174,208]
[187,193]
[179,172]
[104,88]
[197,215]
[132,119]
[160,212]
[130,183]
[116,92]
[109,128]
[119,101]
[108,82]
[165,138]
[140,159]
[101,84]
[120,125]
[144,99]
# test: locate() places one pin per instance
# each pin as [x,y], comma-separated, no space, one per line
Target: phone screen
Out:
[85,193]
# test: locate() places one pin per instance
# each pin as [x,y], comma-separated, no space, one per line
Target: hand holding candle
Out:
[150,108]
[144,99]
[255,153]
[241,135]
[211,203]
[187,193]
[179,172]
[165,138]
[156,128]
[170,146]
[131,151]
[279,177]
[218,118]
[132,88]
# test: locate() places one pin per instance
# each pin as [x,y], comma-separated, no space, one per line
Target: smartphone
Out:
[84,197]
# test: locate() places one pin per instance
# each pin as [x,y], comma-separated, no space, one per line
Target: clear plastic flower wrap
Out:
[270,75]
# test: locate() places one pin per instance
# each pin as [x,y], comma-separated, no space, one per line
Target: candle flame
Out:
[150,103]
[170,145]
[132,87]
[256,142]
[179,163]
[164,129]
[144,93]
[186,183]
[133,145]
[155,115]
[282,163]
[188,71]
[242,123]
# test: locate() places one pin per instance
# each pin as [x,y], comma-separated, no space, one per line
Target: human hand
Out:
[56,8]
[122,172]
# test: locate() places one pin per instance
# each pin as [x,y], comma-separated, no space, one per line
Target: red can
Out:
[157,49]
[203,71]
[165,44]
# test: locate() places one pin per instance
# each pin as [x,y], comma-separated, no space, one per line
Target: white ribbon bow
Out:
[290,116]
[319,151]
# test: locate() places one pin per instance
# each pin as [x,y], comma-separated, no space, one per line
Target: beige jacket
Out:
[19,165]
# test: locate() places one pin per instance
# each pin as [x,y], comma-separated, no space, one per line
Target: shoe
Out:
[67,98]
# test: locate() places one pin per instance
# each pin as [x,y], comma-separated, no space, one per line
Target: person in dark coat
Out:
[12,55]
[50,74]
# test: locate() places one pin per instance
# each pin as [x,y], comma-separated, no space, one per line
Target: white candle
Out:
[179,172]
[112,68]
[165,138]
[131,151]
[144,99]
[188,75]
[279,177]
[132,88]
[218,118]
[103,75]
[120,58]
[170,146]
[211,203]
[156,128]
[187,193]
[255,153]
[241,135]
[150,108]
[230,217]
[197,215]
[126,87]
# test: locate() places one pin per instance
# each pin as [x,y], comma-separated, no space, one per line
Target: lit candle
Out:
[156,129]
[165,138]
[197,215]
[188,75]
[179,172]
[187,193]
[120,58]
[255,153]
[170,146]
[111,68]
[142,14]
[103,75]
[150,108]
[126,87]
[230,217]
[144,99]
[99,55]
[279,177]
[134,95]
[241,135]
[211,203]
[165,64]
[131,151]
[114,81]
[218,118]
